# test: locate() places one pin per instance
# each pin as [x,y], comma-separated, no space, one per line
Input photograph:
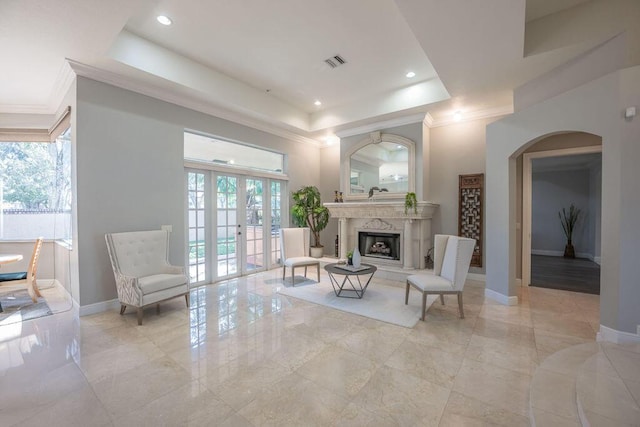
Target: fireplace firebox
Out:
[375,244]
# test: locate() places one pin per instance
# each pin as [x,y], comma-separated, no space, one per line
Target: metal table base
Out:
[349,288]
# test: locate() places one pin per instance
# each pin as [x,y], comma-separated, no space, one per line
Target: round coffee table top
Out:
[336,268]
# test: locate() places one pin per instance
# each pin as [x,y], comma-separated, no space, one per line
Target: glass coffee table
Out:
[351,285]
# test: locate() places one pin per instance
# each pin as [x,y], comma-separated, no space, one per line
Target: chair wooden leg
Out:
[284,272]
[318,268]
[442,298]
[305,271]
[139,316]
[122,309]
[186,298]
[424,305]
[460,305]
[293,276]
[406,296]
[36,289]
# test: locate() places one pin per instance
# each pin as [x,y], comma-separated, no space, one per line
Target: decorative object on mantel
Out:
[336,199]
[356,259]
[308,211]
[340,197]
[410,202]
[471,206]
[568,221]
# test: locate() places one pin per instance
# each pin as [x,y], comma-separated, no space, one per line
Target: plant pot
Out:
[569,250]
[317,252]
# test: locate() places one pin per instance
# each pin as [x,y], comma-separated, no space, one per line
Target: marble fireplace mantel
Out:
[415,228]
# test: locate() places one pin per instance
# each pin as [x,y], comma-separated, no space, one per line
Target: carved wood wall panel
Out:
[471,211]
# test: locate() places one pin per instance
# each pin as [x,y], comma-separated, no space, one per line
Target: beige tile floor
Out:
[243,355]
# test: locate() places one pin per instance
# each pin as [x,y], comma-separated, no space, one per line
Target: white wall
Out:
[128,152]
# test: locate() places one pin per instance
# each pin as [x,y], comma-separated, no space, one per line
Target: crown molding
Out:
[385,124]
[428,120]
[65,79]
[473,115]
[168,95]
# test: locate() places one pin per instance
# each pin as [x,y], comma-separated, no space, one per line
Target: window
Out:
[35,189]
[204,149]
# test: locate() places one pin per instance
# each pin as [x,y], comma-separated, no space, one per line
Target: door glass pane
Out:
[226,230]
[254,224]
[196,226]
[276,216]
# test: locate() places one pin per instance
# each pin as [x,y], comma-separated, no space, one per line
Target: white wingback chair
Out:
[451,259]
[294,245]
[142,271]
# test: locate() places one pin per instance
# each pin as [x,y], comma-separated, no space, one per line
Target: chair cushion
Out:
[301,261]
[7,277]
[160,282]
[430,282]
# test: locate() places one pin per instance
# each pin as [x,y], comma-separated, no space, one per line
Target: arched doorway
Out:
[556,172]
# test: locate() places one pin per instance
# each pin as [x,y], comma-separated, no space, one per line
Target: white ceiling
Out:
[262,62]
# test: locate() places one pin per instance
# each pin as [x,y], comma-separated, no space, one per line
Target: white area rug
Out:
[379,302]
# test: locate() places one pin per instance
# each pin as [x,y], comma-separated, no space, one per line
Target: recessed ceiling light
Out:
[410,74]
[317,103]
[164,20]
[457,116]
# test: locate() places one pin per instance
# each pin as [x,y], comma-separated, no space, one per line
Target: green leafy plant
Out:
[568,221]
[410,202]
[308,211]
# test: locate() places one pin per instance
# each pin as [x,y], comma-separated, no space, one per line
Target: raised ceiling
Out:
[263,63]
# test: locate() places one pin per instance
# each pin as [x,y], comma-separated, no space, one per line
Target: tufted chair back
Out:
[139,253]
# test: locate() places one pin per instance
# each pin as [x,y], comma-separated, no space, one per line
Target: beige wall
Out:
[457,149]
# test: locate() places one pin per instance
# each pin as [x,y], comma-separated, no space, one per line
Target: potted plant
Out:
[568,221]
[410,202]
[308,211]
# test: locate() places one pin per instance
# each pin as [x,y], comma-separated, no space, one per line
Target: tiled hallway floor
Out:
[243,355]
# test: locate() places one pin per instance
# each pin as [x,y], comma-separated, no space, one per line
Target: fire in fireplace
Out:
[379,245]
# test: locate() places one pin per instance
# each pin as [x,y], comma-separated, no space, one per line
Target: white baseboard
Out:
[502,299]
[518,282]
[99,307]
[618,337]
[596,259]
[478,277]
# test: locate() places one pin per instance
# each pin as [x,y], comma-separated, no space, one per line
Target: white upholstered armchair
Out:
[142,271]
[451,256]
[294,244]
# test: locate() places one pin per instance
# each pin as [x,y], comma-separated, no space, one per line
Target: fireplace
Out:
[381,245]
[405,236]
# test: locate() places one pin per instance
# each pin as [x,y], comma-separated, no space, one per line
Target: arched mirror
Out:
[382,163]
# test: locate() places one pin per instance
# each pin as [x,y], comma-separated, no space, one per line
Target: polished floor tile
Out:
[243,355]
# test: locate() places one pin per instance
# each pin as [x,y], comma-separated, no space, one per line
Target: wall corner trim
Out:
[614,336]
[502,299]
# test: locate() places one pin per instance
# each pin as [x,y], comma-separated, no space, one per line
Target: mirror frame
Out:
[376,138]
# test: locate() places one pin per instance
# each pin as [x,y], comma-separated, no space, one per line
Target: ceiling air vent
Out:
[335,61]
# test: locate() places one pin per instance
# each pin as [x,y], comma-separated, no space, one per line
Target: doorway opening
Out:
[554,180]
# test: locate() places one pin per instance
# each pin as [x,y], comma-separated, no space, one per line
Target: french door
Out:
[233,223]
